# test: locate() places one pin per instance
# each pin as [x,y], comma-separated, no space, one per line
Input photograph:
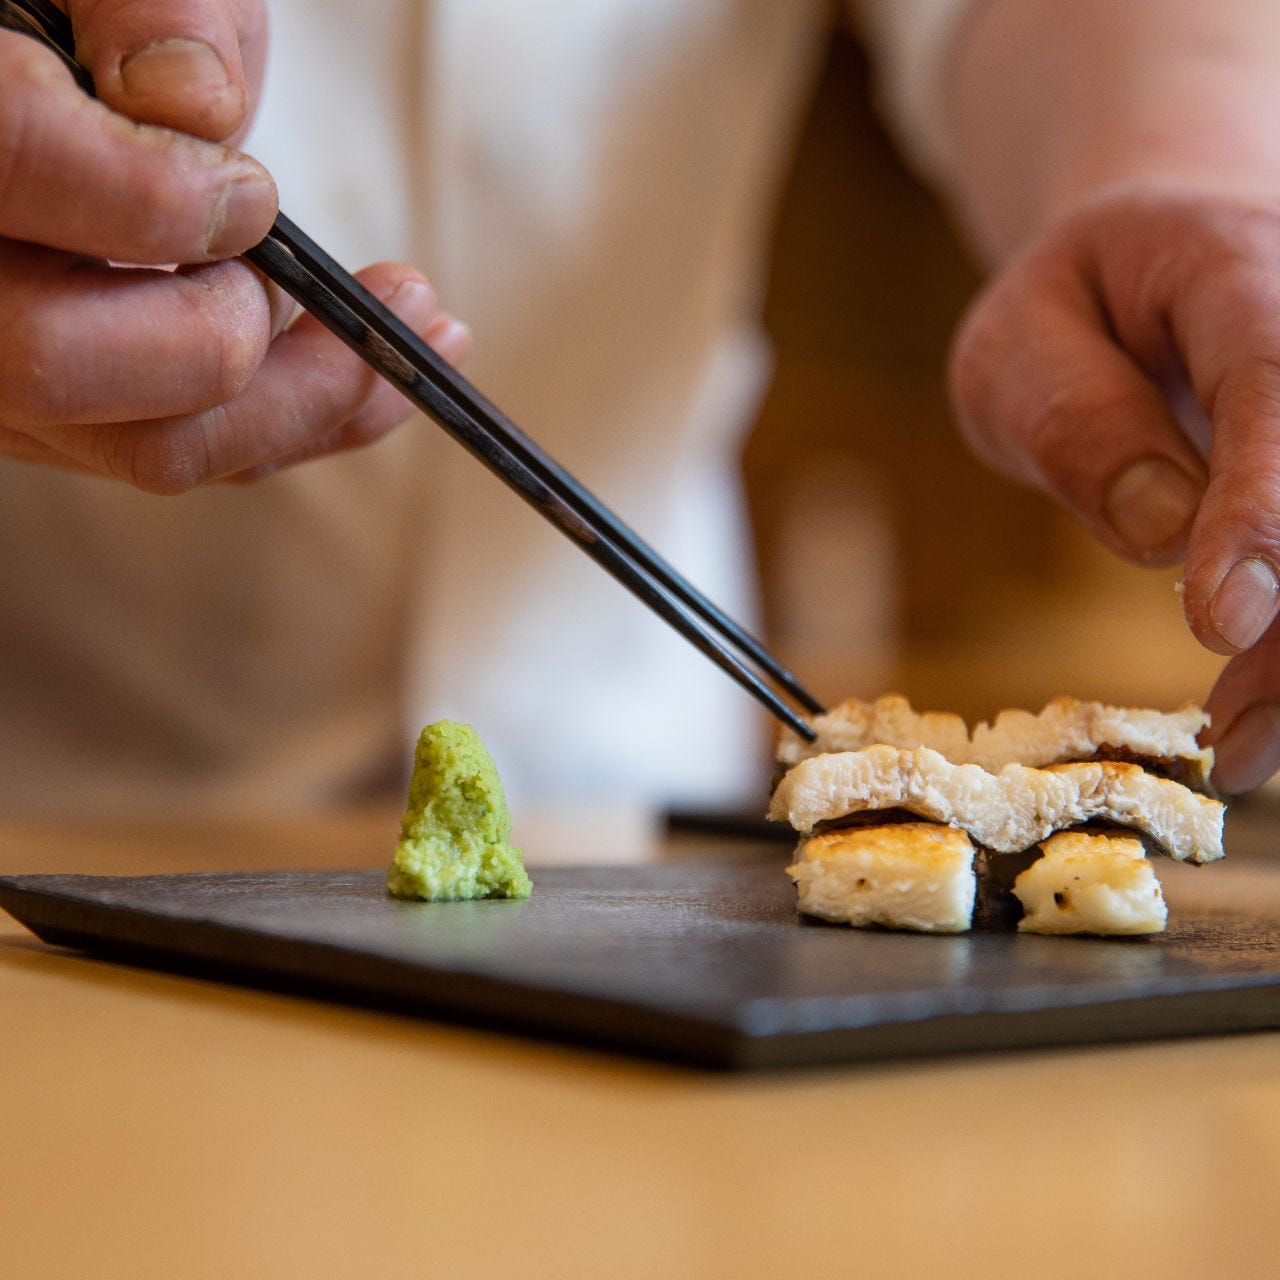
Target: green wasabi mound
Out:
[455,837]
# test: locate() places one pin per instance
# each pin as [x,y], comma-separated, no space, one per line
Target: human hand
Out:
[1127,361]
[165,379]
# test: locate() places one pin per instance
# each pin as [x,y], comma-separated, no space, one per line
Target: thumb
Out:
[190,65]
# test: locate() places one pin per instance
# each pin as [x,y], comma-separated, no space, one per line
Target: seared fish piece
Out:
[1065,730]
[1091,883]
[1006,811]
[911,875]
[852,724]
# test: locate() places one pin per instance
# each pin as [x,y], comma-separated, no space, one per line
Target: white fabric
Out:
[912,39]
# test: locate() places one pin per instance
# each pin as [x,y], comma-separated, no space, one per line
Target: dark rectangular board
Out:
[703,962]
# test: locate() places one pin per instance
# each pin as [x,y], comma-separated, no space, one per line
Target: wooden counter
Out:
[160,1126]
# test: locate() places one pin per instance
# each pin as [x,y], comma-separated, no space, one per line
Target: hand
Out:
[165,379]
[1127,361]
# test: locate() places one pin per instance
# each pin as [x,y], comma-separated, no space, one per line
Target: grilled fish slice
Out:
[1091,883]
[913,875]
[1007,811]
[1065,730]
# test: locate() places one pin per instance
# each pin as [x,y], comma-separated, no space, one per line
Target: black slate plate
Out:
[702,962]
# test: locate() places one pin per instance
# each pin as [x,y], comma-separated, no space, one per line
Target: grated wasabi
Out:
[455,837]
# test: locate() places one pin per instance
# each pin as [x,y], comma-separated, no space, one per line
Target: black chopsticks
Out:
[290,258]
[296,263]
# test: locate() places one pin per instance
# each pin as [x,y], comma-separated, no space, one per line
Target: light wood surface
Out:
[158,1126]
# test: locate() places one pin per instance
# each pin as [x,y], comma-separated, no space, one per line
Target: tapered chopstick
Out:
[458,392]
[315,280]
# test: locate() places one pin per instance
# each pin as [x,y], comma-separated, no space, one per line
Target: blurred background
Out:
[885,550]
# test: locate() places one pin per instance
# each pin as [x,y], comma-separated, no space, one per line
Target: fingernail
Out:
[171,67]
[1245,602]
[241,213]
[1151,503]
[414,301]
[1249,752]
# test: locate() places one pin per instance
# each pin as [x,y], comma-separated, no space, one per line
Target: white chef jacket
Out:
[588,185]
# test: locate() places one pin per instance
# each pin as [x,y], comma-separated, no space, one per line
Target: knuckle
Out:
[230,314]
[1053,435]
[230,360]
[238,360]
[1258,529]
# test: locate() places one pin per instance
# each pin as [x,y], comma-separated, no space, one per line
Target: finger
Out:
[383,410]
[1225,318]
[306,388]
[1045,395]
[282,305]
[88,343]
[19,447]
[76,175]
[1245,718]
[177,65]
